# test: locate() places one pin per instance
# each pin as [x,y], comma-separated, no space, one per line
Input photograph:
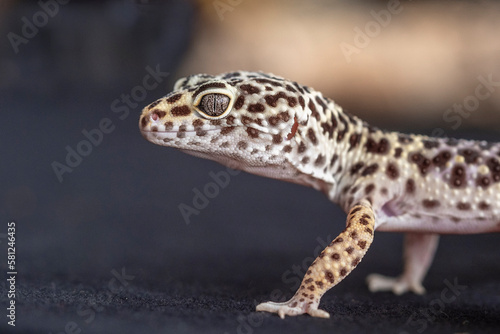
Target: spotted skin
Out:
[385,181]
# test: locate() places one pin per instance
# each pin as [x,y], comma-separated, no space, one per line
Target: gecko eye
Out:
[213,105]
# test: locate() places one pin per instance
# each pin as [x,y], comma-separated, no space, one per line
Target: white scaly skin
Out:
[385,181]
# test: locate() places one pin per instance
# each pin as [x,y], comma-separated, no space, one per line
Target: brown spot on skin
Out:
[301,300]
[353,211]
[308,272]
[327,129]
[319,284]
[405,139]
[370,169]
[253,133]
[287,149]
[369,188]
[267,81]
[441,159]
[354,235]
[321,102]
[422,162]
[290,89]
[356,261]
[305,160]
[319,160]
[215,122]
[349,250]
[458,176]
[392,171]
[272,100]
[430,143]
[246,120]
[334,158]
[314,111]
[483,181]
[311,288]
[368,230]
[181,133]
[169,126]
[382,147]
[284,116]
[362,244]
[312,136]
[356,167]
[201,133]
[410,186]
[463,206]
[484,206]
[240,101]
[309,280]
[301,102]
[301,148]
[242,145]
[230,120]
[249,89]
[277,139]
[273,120]
[256,107]
[397,152]
[335,256]
[294,304]
[343,272]
[144,122]
[329,276]
[174,98]
[470,156]
[430,204]
[354,140]
[337,240]
[363,221]
[198,123]
[226,130]
[155,129]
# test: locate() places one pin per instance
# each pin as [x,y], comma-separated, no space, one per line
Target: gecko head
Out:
[241,119]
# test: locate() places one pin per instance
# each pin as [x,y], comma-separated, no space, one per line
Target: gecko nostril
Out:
[157,114]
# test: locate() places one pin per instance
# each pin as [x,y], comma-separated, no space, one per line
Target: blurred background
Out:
[65,66]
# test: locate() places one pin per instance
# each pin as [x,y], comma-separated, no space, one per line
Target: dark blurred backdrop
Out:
[67,68]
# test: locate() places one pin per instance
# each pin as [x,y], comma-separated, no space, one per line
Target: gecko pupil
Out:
[214,104]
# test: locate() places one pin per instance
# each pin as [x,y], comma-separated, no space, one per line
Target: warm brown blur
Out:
[420,60]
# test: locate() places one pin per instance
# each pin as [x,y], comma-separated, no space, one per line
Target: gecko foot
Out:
[398,285]
[293,307]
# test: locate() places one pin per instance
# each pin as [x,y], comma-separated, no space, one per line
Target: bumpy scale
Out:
[385,181]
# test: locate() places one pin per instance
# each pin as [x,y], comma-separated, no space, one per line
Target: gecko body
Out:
[385,181]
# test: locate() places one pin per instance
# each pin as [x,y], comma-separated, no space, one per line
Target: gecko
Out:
[384,180]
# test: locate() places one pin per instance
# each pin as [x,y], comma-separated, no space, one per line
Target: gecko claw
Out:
[284,309]
[398,285]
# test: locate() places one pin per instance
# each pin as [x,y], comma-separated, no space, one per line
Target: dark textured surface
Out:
[117,213]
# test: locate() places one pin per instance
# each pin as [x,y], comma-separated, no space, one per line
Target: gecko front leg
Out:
[419,249]
[331,266]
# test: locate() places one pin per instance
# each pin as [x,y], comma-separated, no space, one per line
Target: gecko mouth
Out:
[179,133]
